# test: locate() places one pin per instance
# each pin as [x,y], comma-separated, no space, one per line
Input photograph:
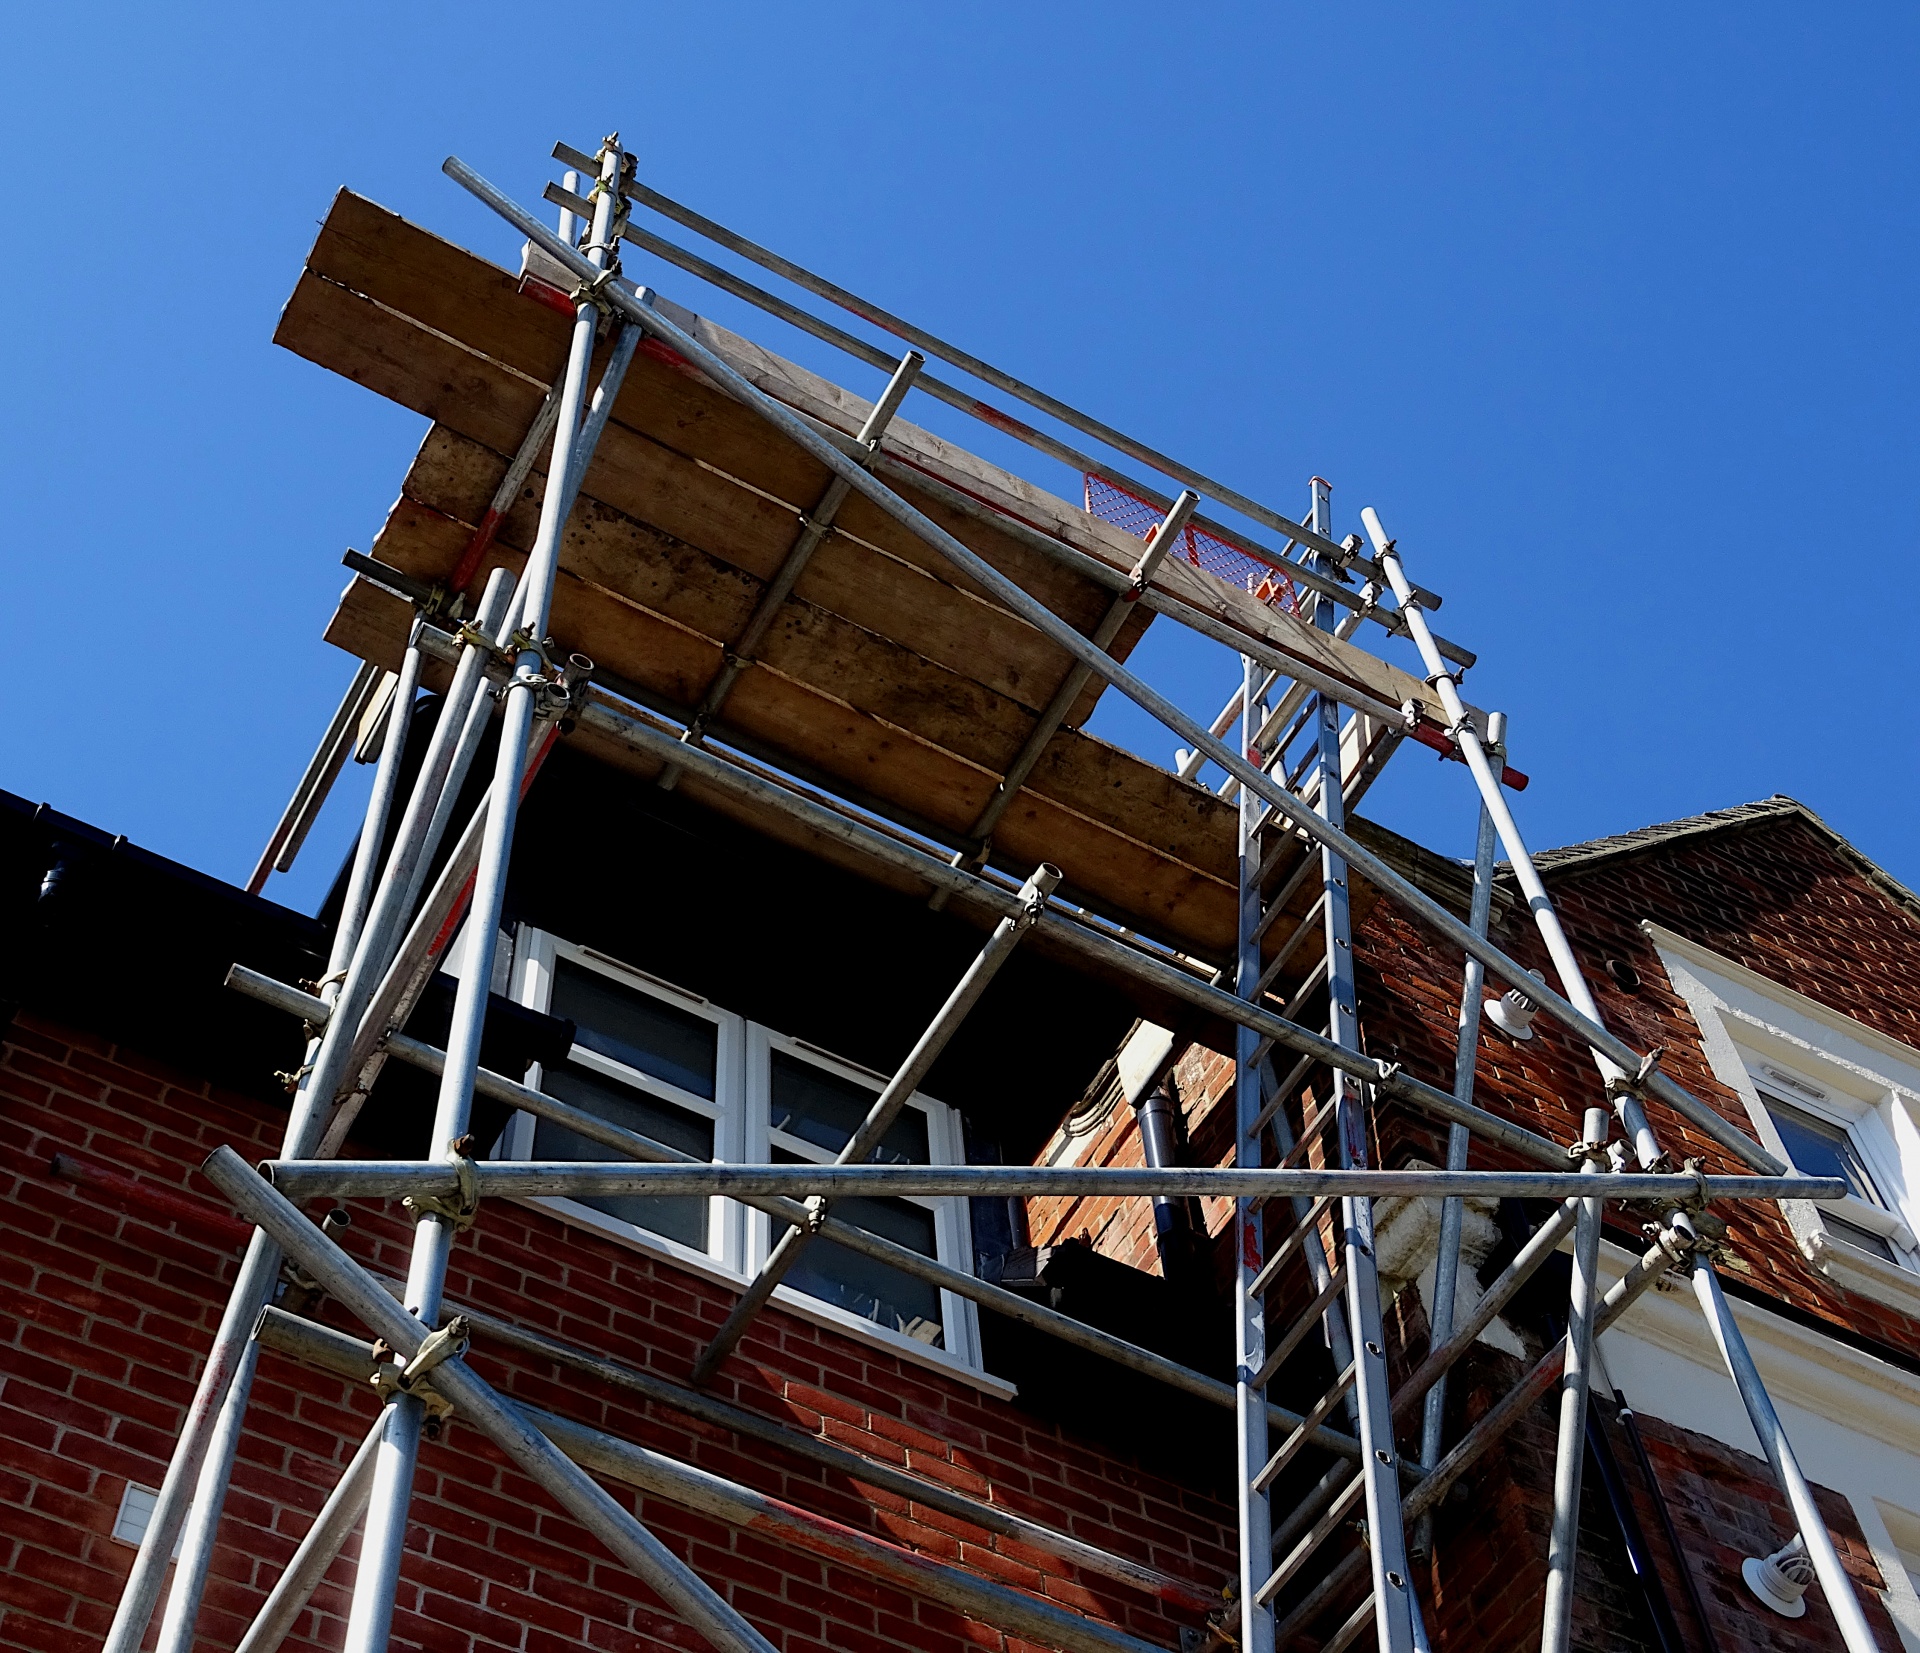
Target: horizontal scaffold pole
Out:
[601,1179]
[604,716]
[1295,811]
[726,1500]
[993,1298]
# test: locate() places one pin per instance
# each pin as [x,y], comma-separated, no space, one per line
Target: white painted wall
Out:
[1854,1420]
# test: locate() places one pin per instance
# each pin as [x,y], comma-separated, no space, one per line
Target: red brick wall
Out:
[111,1311]
[1775,895]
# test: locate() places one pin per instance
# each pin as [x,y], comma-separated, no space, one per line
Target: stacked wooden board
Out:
[887,678]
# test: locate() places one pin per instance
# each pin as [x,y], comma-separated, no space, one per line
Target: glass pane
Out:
[1819,1149]
[870,1289]
[823,1108]
[684,1220]
[1864,1239]
[660,1039]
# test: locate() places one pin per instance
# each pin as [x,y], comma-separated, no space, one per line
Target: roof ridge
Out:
[1720,820]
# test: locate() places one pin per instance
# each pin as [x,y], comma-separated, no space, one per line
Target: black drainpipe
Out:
[1653,1590]
[1599,1451]
[1631,1423]
[1176,1236]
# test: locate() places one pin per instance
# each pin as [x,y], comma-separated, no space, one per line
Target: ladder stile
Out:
[1379,1468]
[1250,1319]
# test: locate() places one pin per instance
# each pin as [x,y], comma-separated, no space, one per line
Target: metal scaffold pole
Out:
[1289,775]
[1446,1263]
[370,1618]
[1249,1225]
[1386,1539]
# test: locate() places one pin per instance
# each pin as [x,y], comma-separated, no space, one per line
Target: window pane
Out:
[871,1289]
[660,1039]
[1819,1149]
[1854,1235]
[823,1108]
[684,1220]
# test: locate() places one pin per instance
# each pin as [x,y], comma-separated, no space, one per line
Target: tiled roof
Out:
[1721,820]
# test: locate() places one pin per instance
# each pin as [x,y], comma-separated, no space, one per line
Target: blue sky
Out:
[1609,311]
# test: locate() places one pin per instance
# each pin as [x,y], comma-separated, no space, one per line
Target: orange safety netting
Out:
[1139,516]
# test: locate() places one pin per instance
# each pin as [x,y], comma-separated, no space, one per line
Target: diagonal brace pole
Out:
[1834,1583]
[331,1528]
[490,1412]
[886,1108]
[1029,608]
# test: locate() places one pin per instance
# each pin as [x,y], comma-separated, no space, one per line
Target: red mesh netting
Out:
[1131,513]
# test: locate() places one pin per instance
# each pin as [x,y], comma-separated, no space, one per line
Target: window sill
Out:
[798,1304]
[1861,1272]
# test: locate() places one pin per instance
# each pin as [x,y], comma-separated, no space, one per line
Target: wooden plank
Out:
[455,293]
[840,408]
[656,484]
[871,674]
[451,290]
[820,647]
[1137,881]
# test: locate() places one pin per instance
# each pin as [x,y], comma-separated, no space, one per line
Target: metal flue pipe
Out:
[1143,694]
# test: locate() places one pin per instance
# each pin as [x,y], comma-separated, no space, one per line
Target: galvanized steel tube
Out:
[1143,694]
[600,1179]
[1834,1583]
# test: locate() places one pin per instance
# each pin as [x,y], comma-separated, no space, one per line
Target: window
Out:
[1827,1093]
[1818,1138]
[673,1067]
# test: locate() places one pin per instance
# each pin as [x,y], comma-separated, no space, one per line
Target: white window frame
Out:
[739,1237]
[535,955]
[946,1145]
[1866,1082]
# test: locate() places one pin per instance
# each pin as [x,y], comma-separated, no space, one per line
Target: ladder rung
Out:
[1290,1447]
[1308,1321]
[1349,1633]
[1281,1091]
[1307,1510]
[1354,1492]
[1291,945]
[1286,893]
[1296,1237]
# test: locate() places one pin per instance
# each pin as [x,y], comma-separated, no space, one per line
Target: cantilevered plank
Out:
[818,646]
[461,295]
[1141,883]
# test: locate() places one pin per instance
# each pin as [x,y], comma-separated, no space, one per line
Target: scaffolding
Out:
[1314,726]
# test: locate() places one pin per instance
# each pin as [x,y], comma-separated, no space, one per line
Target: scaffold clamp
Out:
[460,1208]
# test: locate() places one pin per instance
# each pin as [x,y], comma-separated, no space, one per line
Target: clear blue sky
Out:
[1609,311]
